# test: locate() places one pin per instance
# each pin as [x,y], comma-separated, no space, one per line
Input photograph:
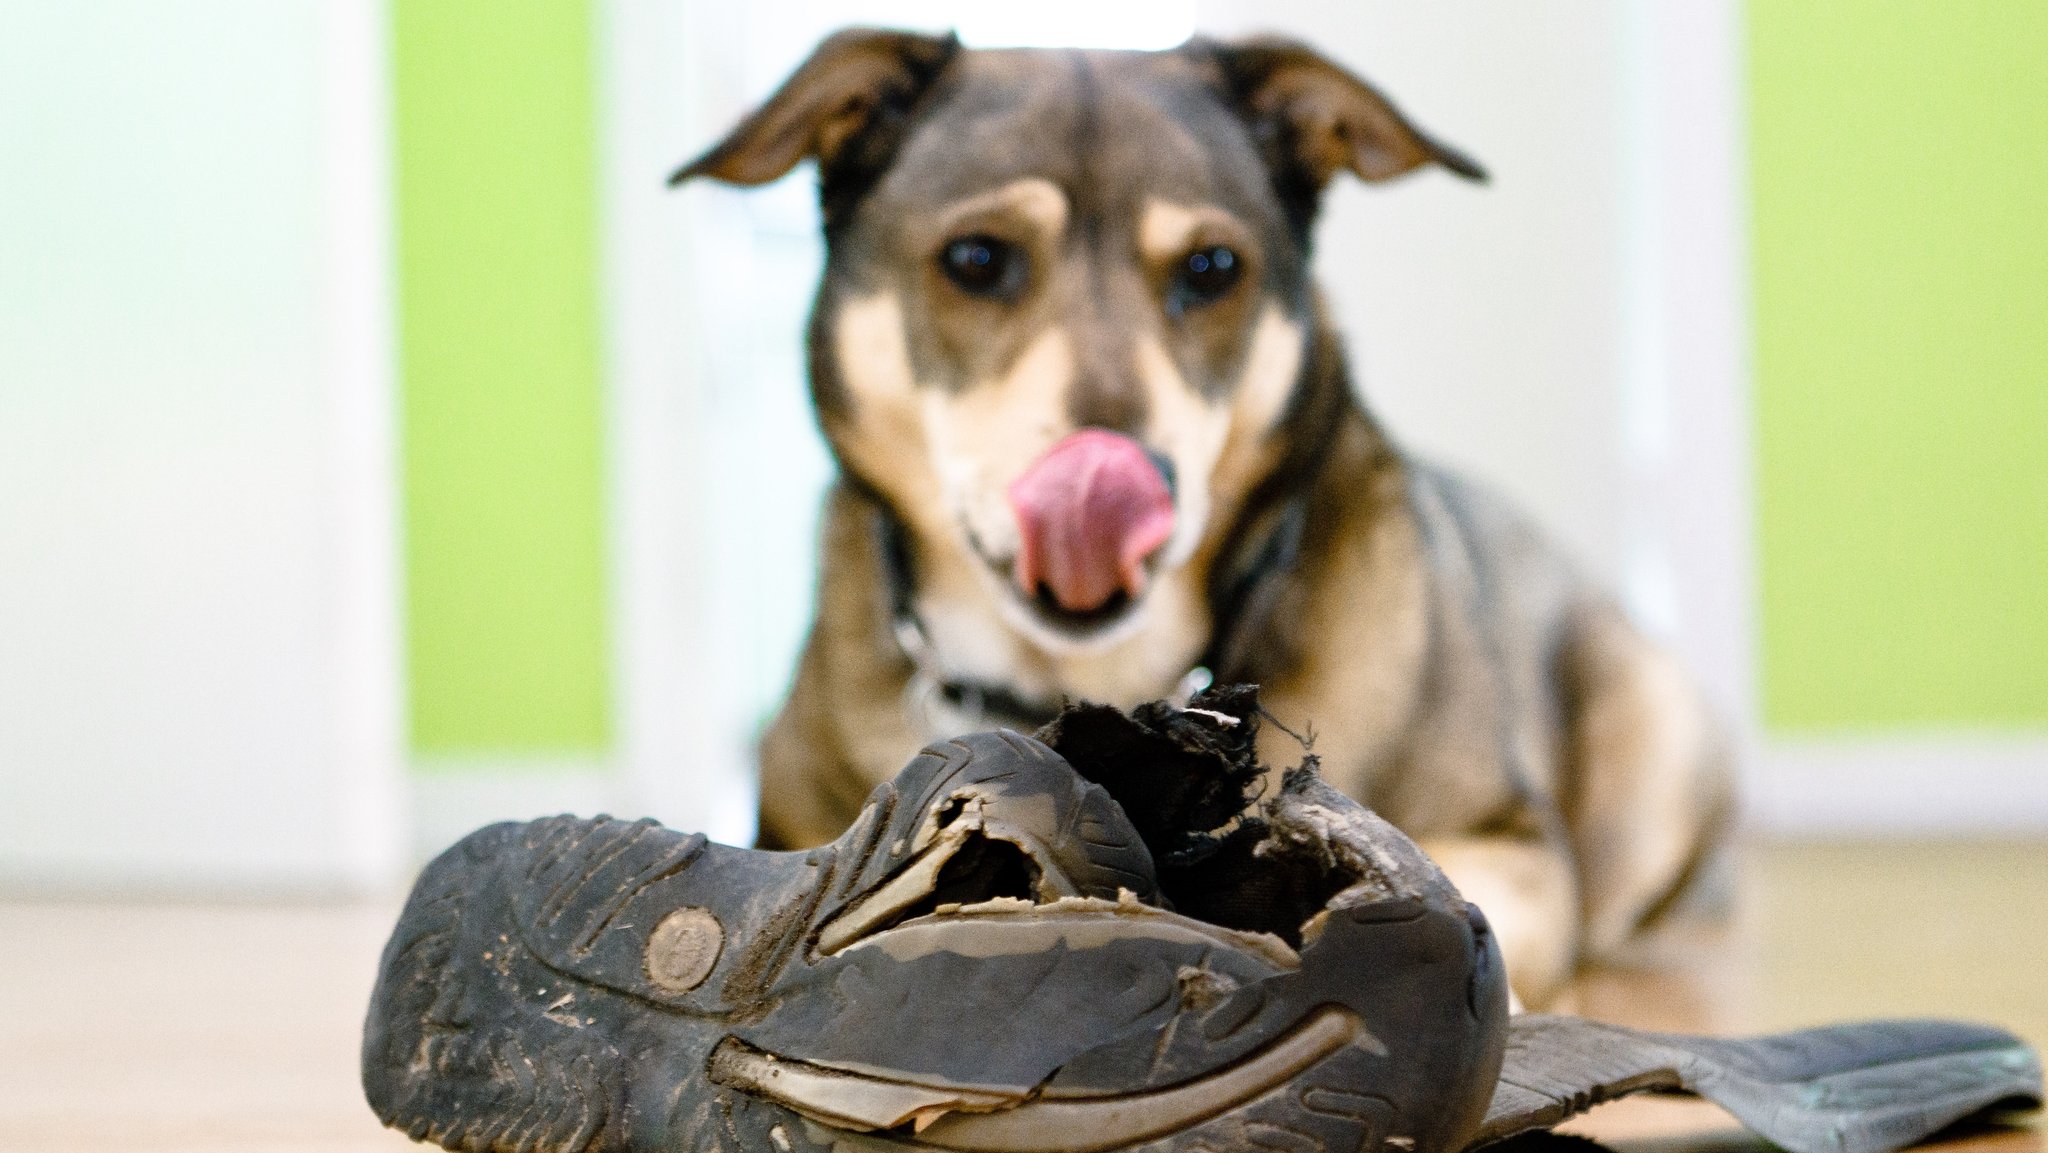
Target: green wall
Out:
[1900,184]
[499,358]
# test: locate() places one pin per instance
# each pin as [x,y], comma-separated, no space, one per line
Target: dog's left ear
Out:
[1314,118]
[835,109]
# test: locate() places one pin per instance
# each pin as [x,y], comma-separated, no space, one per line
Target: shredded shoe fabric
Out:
[1102,938]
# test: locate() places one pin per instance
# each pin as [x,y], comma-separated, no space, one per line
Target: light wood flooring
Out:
[227,1028]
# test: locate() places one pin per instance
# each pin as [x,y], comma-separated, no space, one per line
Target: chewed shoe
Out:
[1104,941]
[989,959]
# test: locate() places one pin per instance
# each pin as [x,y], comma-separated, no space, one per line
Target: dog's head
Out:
[1066,308]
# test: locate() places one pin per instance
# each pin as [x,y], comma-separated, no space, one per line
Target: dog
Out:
[1097,441]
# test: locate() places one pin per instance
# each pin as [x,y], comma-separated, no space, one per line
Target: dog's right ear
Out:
[844,105]
[1314,118]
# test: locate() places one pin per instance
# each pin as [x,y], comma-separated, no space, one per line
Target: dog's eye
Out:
[983,265]
[1205,275]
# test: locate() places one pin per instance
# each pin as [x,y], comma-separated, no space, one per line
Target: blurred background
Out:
[383,447]
[385,450]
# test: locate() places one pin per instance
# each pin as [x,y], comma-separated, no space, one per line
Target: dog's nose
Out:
[1090,511]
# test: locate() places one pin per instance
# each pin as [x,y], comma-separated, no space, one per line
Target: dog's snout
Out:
[1100,398]
[1108,387]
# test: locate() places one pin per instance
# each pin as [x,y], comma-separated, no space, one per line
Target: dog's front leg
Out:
[1527,891]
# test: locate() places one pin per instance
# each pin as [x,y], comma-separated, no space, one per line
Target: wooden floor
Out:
[148,1028]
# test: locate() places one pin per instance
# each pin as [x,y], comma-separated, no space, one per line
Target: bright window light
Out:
[1139,24]
[1134,24]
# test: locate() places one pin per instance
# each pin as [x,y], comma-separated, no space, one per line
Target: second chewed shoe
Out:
[1104,941]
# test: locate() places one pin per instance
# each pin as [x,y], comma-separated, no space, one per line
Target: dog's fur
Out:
[1455,672]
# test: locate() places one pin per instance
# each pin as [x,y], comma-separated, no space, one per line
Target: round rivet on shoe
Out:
[683,948]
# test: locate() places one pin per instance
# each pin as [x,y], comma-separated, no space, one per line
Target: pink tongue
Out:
[1090,511]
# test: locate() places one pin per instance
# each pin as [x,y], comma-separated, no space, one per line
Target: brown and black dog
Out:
[1096,441]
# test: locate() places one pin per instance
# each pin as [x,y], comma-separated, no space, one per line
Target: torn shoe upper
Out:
[1103,941]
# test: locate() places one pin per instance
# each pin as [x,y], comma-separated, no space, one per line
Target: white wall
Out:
[1577,333]
[1484,321]
[1549,331]
[197,626]
[1572,332]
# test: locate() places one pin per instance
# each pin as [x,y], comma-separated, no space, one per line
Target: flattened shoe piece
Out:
[1861,1088]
